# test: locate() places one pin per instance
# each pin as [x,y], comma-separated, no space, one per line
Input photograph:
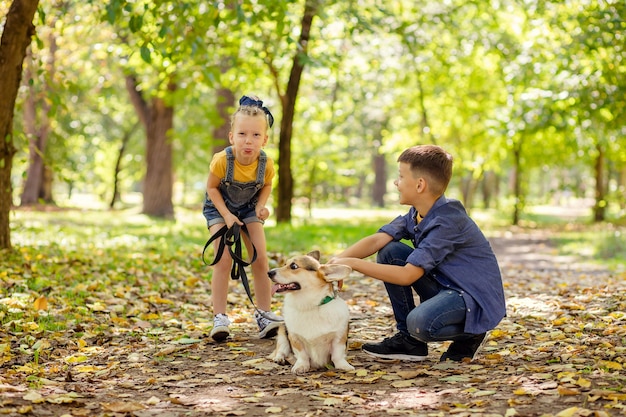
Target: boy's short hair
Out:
[432,162]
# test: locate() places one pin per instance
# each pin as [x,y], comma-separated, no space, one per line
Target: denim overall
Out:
[240,197]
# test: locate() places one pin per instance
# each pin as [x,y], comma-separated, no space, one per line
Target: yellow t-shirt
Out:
[243,173]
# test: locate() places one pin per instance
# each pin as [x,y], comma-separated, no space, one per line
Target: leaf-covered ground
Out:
[560,351]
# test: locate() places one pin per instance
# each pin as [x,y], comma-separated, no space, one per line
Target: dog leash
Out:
[231,238]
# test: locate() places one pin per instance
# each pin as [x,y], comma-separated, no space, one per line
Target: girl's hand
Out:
[262,213]
[232,219]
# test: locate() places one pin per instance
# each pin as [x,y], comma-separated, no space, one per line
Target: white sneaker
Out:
[220,327]
[268,323]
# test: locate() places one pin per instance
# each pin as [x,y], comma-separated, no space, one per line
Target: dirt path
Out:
[559,352]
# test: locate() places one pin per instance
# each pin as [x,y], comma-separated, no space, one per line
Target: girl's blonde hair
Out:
[252,106]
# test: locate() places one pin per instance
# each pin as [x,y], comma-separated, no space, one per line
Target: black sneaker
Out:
[462,349]
[399,346]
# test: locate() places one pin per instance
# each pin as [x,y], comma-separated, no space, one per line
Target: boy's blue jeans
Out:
[440,314]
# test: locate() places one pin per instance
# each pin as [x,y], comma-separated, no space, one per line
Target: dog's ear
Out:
[335,272]
[314,254]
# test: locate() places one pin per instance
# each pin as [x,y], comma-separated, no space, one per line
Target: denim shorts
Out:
[246,214]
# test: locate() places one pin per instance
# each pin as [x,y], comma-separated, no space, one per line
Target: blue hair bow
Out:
[247,101]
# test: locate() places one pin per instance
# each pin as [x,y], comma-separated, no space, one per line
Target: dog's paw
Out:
[278,358]
[281,361]
[300,368]
[282,358]
[344,366]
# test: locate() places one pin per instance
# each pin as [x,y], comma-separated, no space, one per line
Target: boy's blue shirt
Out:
[451,247]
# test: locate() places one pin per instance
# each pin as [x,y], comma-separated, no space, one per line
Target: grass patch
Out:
[602,244]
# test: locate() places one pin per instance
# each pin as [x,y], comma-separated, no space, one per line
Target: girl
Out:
[238,187]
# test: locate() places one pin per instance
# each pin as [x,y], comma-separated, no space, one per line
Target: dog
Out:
[315,329]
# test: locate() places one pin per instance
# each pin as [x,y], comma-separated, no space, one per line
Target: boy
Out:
[451,267]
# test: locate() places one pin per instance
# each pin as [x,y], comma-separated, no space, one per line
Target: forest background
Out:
[126,97]
[109,119]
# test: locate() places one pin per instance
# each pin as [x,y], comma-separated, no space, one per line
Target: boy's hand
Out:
[340,282]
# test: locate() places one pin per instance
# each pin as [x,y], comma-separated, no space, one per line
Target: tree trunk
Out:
[45,191]
[225,100]
[118,164]
[599,208]
[157,118]
[16,36]
[425,126]
[469,186]
[489,188]
[517,183]
[621,186]
[38,184]
[380,180]
[288,101]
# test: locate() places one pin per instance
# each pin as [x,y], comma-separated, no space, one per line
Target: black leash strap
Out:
[231,238]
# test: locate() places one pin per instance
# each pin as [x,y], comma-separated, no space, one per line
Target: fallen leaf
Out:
[41,303]
[123,407]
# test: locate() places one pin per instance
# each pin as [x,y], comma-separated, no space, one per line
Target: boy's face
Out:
[248,135]
[407,184]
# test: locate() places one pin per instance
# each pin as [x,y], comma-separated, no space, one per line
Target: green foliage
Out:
[327,236]
[483,80]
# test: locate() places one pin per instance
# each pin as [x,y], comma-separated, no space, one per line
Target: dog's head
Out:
[306,272]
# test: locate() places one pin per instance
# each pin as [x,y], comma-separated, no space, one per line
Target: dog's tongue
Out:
[275,288]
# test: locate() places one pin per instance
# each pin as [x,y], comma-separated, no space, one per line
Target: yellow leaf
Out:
[361,372]
[122,407]
[97,306]
[273,410]
[611,365]
[520,391]
[497,333]
[68,398]
[567,391]
[191,281]
[160,300]
[251,400]
[332,401]
[75,358]
[152,400]
[563,375]
[41,303]
[34,397]
[483,393]
[408,374]
[582,382]
[251,362]
[119,321]
[369,380]
[86,368]
[569,412]
[31,325]
[403,384]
